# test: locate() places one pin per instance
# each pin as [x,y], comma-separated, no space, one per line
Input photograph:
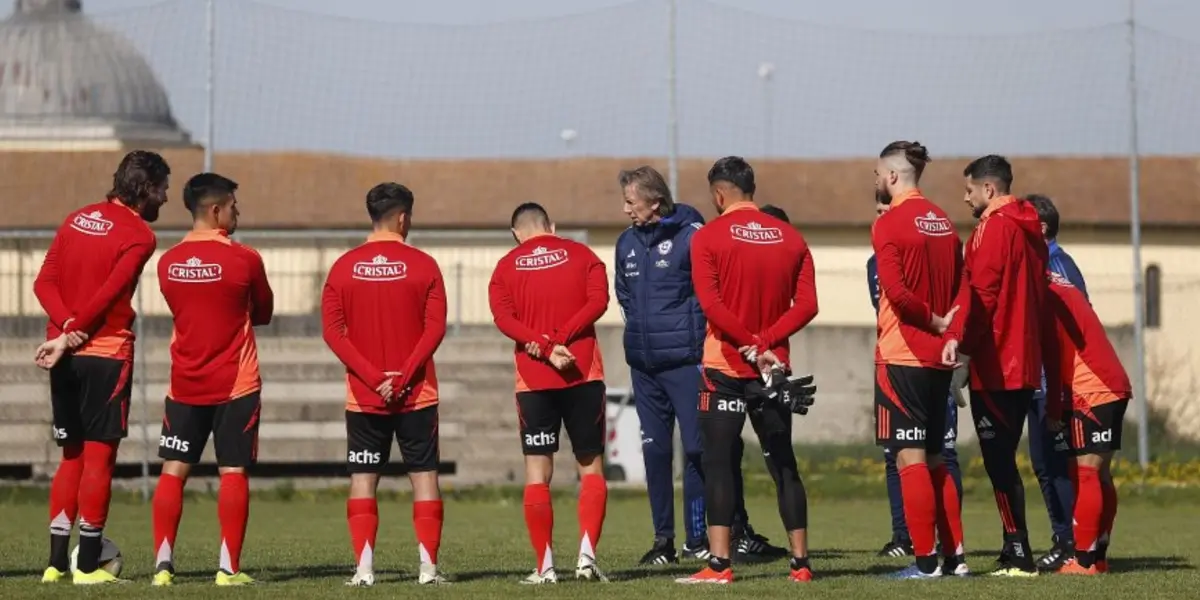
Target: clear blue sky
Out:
[505,77]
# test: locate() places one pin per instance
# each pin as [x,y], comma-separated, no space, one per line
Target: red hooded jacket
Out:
[1002,309]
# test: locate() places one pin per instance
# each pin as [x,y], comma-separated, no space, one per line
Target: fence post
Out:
[458,297]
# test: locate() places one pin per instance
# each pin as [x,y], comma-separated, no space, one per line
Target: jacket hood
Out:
[1026,217]
[683,216]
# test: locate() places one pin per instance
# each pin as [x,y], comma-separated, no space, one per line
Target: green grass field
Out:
[300,549]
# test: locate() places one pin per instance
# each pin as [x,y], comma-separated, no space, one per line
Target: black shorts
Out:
[910,407]
[1097,430]
[233,426]
[89,397]
[369,440]
[735,399]
[1000,415]
[580,409]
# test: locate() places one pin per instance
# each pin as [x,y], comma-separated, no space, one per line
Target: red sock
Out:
[539,520]
[1109,515]
[362,514]
[233,509]
[168,508]
[920,507]
[427,522]
[1089,507]
[593,501]
[64,490]
[95,485]
[949,511]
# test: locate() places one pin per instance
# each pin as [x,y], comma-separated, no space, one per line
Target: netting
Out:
[310,111]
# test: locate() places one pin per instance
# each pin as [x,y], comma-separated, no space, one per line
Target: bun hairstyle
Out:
[916,154]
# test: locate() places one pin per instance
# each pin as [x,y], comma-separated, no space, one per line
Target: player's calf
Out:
[167,511]
[428,516]
[64,509]
[593,504]
[95,493]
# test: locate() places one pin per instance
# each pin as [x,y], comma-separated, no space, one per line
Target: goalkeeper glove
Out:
[795,392]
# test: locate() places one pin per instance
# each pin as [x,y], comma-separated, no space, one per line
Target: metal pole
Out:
[141,376]
[672,105]
[209,88]
[1135,241]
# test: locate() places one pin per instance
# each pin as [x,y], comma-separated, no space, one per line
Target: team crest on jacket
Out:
[92,223]
[931,224]
[194,270]
[1058,279]
[755,233]
[664,248]
[542,258]
[380,268]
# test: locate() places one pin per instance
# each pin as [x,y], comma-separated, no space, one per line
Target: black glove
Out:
[795,392]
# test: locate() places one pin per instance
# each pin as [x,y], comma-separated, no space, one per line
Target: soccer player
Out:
[919,261]
[1096,393]
[901,542]
[1000,324]
[217,291]
[754,277]
[383,310]
[86,285]
[546,295]
[1049,450]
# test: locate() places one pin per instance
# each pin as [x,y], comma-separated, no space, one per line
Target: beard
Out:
[883,196]
[149,211]
[977,211]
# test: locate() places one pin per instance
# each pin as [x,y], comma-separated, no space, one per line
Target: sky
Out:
[488,78]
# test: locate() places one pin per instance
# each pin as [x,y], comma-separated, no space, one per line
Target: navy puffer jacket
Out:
[664,327]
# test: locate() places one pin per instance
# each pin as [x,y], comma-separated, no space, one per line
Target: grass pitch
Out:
[300,549]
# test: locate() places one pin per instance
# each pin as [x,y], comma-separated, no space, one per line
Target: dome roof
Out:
[57,68]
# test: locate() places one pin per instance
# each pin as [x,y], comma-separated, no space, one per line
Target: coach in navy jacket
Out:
[664,340]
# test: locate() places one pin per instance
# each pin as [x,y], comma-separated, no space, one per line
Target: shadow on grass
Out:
[1133,564]
[19,573]
[307,572]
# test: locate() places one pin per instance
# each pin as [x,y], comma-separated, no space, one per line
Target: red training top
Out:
[551,290]
[384,310]
[1001,317]
[1092,373]
[89,276]
[218,292]
[920,263]
[754,279]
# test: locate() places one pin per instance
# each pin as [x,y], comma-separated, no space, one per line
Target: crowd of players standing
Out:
[708,309]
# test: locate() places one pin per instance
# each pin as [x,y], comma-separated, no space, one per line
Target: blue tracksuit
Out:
[949,453]
[1048,451]
[664,339]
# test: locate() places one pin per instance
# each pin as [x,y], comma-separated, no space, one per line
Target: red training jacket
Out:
[217,291]
[383,310]
[753,276]
[90,273]
[919,260]
[1092,373]
[1002,316]
[551,290]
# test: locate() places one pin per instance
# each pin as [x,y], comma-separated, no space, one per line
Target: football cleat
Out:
[366,579]
[233,579]
[97,577]
[896,548]
[547,576]
[429,575]
[52,575]
[588,571]
[708,575]
[662,553]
